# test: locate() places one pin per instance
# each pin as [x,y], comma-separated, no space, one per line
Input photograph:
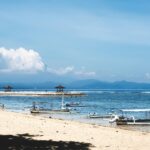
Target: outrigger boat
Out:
[74,104]
[95,116]
[35,109]
[131,117]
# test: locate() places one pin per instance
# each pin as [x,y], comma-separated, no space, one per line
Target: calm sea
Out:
[99,101]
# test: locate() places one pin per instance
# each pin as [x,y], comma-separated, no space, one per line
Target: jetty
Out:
[40,93]
[59,92]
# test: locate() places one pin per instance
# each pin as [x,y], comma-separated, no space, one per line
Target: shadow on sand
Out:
[25,142]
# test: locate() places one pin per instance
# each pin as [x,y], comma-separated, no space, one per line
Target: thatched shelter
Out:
[8,88]
[59,88]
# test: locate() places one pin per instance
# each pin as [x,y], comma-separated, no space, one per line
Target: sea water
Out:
[95,101]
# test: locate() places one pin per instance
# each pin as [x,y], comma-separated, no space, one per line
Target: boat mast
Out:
[62,101]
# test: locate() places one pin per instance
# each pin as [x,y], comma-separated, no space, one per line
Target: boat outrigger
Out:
[96,116]
[132,117]
[36,109]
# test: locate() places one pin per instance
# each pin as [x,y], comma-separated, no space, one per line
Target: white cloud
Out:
[84,73]
[29,61]
[61,71]
[20,60]
[72,71]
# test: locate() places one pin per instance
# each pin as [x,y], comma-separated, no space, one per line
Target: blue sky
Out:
[101,39]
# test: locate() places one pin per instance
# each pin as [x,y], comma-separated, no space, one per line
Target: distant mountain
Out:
[96,84]
[88,84]
[79,84]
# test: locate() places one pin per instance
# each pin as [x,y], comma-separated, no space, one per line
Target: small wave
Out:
[98,92]
[146,92]
[91,91]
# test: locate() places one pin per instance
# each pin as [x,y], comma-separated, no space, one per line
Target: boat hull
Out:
[49,111]
[99,116]
[133,122]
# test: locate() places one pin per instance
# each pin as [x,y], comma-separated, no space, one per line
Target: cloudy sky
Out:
[50,40]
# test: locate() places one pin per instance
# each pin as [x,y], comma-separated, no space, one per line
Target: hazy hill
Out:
[96,84]
[80,84]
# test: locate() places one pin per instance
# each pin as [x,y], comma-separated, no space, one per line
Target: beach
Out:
[49,133]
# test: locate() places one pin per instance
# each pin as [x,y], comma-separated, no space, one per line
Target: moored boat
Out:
[134,119]
[95,116]
[37,109]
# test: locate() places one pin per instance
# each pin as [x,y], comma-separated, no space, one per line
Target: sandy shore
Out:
[100,138]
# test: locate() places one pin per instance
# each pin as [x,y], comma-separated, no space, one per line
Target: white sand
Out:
[103,138]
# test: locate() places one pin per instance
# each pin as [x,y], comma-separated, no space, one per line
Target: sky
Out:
[63,40]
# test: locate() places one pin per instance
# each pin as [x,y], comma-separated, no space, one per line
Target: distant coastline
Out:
[80,84]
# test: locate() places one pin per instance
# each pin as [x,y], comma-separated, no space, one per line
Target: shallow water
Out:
[99,101]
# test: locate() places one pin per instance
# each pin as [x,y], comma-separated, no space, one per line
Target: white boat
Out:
[132,117]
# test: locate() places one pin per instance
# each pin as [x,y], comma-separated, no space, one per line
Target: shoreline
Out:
[13,123]
[81,121]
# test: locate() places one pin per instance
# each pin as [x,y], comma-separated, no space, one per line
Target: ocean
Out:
[95,101]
